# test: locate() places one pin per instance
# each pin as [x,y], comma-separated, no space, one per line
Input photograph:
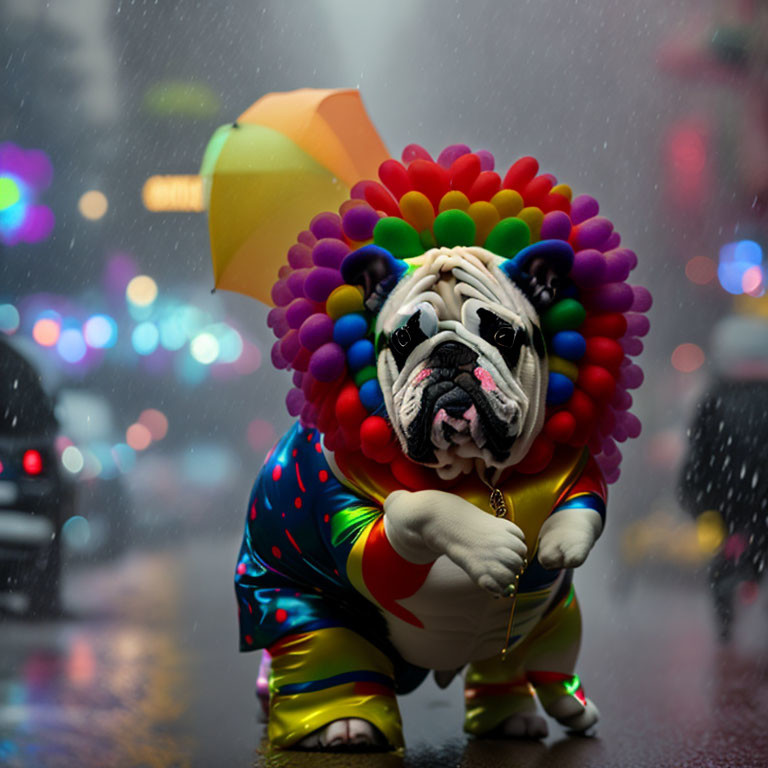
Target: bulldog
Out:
[358,587]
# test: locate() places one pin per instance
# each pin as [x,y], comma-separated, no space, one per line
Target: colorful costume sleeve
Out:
[589,491]
[301,526]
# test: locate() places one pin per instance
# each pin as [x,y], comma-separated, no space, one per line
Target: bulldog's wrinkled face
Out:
[462,363]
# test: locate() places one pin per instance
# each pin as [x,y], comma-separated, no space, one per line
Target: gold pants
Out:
[541,665]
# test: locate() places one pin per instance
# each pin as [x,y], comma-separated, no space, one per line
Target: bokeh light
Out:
[71,345]
[93,205]
[155,421]
[145,338]
[46,331]
[124,457]
[76,532]
[138,437]
[204,348]
[687,358]
[141,291]
[752,281]
[735,259]
[172,336]
[9,318]
[261,435]
[10,193]
[230,343]
[700,270]
[72,459]
[100,331]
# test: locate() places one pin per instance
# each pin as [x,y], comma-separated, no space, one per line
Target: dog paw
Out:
[347,734]
[574,716]
[524,725]
[565,553]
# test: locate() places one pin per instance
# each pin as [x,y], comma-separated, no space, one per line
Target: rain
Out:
[141,392]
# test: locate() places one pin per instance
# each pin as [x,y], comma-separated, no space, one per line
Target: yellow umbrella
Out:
[287,158]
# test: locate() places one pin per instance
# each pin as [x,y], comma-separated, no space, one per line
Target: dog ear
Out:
[375,270]
[540,270]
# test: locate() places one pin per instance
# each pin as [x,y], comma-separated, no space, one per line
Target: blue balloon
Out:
[370,395]
[559,390]
[360,354]
[349,328]
[569,345]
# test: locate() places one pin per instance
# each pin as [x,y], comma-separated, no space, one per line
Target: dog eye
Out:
[401,339]
[505,337]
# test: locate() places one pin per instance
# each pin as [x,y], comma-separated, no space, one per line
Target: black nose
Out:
[452,354]
[456,402]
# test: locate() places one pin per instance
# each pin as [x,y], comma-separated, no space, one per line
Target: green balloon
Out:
[566,315]
[508,237]
[427,239]
[365,374]
[398,237]
[453,228]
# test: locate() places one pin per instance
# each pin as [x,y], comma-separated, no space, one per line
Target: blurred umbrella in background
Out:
[287,157]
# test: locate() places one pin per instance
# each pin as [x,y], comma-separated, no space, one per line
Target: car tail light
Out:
[32,462]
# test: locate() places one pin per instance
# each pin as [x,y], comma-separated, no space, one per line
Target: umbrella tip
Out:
[213,290]
[235,124]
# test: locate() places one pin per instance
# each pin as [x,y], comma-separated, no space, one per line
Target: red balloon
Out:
[464,171]
[520,173]
[536,191]
[538,456]
[394,176]
[380,200]
[430,179]
[597,382]
[349,410]
[604,352]
[485,186]
[560,426]
[611,324]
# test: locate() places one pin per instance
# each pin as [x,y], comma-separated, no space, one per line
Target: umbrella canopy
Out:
[287,158]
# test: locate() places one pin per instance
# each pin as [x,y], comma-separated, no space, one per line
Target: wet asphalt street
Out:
[142,670]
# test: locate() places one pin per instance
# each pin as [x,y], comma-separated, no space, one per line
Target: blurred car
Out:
[34,496]
[100,524]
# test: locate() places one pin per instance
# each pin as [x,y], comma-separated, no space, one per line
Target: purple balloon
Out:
[631,376]
[622,400]
[487,160]
[358,222]
[307,238]
[329,252]
[612,297]
[316,331]
[296,282]
[613,241]
[298,311]
[631,424]
[643,300]
[284,272]
[450,154]
[610,449]
[637,325]
[632,346]
[326,224]
[415,152]
[281,296]
[588,267]
[583,207]
[290,346]
[612,476]
[592,233]
[309,415]
[620,434]
[279,322]
[619,264]
[295,401]
[297,378]
[320,282]
[300,256]
[277,359]
[327,362]
[556,226]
